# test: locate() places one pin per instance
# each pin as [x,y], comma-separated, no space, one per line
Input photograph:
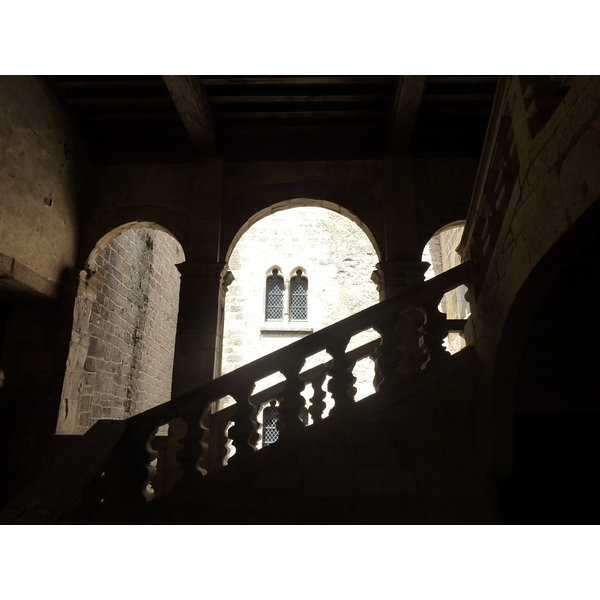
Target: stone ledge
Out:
[284,328]
[16,277]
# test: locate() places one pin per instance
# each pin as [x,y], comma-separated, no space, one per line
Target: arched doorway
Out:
[121,353]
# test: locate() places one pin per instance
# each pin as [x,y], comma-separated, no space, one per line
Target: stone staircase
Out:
[405,454]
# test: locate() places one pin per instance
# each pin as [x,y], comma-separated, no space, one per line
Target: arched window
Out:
[274,299]
[299,297]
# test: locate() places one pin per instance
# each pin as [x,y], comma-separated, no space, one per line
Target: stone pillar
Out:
[392,278]
[201,300]
[401,267]
[199,324]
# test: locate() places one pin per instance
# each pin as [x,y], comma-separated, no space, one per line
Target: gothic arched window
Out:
[299,297]
[274,299]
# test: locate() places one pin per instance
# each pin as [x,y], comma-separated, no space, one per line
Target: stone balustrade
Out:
[123,479]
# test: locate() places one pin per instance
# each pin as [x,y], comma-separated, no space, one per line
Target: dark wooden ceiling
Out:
[176,118]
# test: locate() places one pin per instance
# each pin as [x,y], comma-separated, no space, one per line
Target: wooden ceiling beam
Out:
[408,93]
[343,80]
[121,102]
[454,113]
[131,117]
[189,97]
[264,99]
[314,114]
[466,98]
[304,129]
[463,79]
[99,85]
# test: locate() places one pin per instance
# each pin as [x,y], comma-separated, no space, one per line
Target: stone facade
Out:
[131,337]
[335,255]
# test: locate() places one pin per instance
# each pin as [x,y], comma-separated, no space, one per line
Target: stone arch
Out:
[272,268]
[450,244]
[440,252]
[123,338]
[251,205]
[339,284]
[111,223]
[298,268]
[117,231]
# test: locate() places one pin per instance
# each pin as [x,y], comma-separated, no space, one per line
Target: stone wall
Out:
[338,260]
[43,173]
[44,168]
[132,323]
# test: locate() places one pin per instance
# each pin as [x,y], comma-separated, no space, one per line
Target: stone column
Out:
[198,341]
[392,278]
[401,267]
[199,324]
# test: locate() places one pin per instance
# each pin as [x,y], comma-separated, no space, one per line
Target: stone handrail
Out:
[315,377]
[342,331]
[122,479]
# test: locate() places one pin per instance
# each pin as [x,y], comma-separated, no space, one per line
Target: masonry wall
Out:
[132,326]
[338,259]
[42,174]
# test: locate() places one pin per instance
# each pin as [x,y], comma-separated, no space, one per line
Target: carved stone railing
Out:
[118,475]
[219,422]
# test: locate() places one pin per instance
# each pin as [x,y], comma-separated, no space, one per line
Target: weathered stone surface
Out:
[132,324]
[42,173]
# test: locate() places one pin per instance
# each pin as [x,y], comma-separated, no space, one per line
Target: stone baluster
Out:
[317,404]
[205,422]
[387,355]
[401,351]
[377,377]
[193,445]
[433,331]
[244,432]
[341,384]
[292,401]
[129,471]
[218,448]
